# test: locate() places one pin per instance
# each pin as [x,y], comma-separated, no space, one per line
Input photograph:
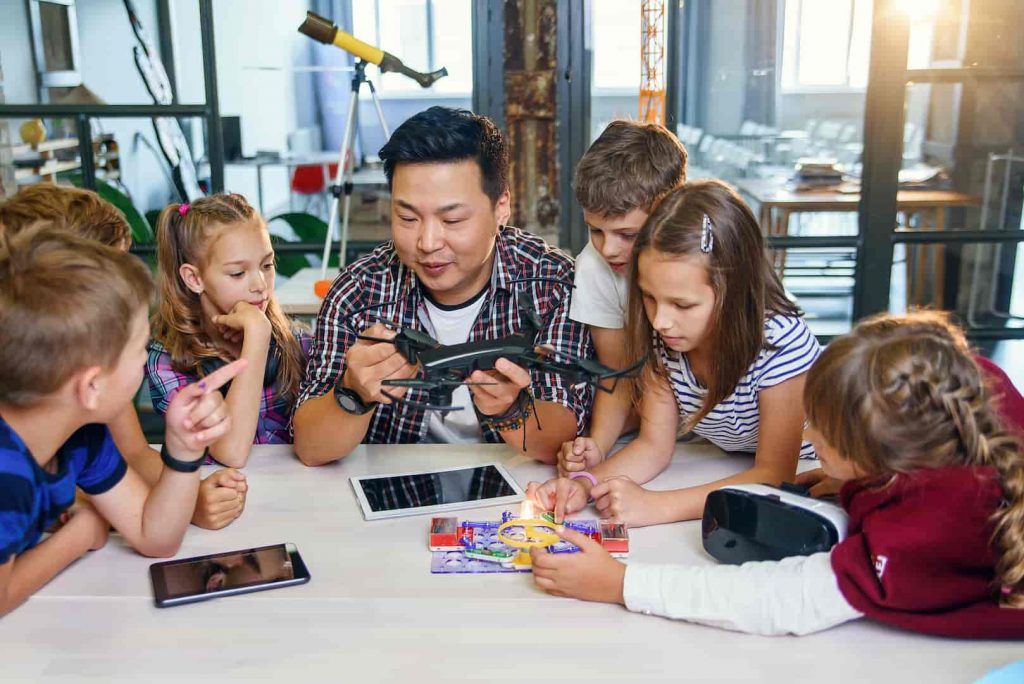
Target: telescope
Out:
[323,31]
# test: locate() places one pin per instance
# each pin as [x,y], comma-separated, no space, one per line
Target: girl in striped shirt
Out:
[727,355]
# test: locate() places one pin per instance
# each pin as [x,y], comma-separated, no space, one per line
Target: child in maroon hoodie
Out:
[934,486]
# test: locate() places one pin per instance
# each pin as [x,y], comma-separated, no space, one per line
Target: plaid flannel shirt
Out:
[272,426]
[381,278]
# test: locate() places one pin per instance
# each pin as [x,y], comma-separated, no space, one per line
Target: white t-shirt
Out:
[600,295]
[450,325]
[734,424]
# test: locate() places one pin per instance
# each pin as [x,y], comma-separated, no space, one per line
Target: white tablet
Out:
[435,491]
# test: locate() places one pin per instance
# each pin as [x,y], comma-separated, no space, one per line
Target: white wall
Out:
[248,33]
[108,69]
[272,103]
[16,54]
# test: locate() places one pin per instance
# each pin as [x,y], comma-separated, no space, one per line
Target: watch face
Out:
[347,402]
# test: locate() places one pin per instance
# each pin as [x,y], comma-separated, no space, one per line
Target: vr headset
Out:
[756,522]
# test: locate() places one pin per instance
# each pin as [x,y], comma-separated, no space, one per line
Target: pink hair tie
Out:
[182,209]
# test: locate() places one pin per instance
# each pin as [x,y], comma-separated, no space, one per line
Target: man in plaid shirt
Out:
[454,270]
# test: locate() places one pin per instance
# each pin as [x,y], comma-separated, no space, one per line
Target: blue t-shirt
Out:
[31,499]
[733,425]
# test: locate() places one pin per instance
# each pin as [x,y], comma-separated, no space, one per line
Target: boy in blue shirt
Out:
[73,334]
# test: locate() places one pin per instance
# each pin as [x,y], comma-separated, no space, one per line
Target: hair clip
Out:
[182,209]
[707,237]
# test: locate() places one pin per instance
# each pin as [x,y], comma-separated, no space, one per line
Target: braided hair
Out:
[903,393]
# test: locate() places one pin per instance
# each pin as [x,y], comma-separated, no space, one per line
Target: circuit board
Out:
[474,547]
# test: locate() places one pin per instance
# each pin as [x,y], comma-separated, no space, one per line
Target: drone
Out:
[447,367]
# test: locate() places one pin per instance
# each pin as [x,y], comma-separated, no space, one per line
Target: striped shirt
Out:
[272,426]
[380,287]
[32,499]
[733,424]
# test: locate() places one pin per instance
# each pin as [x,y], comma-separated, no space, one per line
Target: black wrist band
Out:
[180,466]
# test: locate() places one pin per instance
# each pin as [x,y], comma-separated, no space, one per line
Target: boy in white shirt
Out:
[618,182]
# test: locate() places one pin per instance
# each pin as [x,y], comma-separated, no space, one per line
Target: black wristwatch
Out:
[181,466]
[350,401]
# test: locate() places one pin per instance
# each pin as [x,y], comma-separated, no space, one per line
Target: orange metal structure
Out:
[652,61]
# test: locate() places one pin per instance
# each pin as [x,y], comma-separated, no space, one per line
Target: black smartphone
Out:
[223,574]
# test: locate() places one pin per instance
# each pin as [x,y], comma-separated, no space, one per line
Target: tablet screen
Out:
[419,490]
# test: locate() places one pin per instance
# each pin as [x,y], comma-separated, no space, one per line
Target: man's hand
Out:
[221,499]
[590,574]
[580,454]
[498,388]
[368,363]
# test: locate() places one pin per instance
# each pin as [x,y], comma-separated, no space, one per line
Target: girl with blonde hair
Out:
[216,280]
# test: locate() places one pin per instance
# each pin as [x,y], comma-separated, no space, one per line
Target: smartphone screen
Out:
[223,574]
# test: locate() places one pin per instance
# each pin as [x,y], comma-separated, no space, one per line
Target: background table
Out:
[777,203]
[297,297]
[373,611]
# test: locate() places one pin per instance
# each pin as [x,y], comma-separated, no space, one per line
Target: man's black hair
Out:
[446,134]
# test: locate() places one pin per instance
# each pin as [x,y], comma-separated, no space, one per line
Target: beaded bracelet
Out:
[514,417]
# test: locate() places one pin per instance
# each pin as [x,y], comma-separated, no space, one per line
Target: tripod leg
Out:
[380,112]
[343,246]
[339,177]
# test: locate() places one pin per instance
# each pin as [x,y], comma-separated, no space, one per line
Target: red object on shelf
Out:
[308,179]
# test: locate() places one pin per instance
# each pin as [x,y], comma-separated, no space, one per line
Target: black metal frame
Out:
[488,21]
[210,111]
[572,96]
[888,79]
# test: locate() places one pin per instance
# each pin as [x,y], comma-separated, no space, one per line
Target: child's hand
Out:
[221,499]
[244,319]
[561,495]
[591,574]
[622,500]
[818,483]
[86,521]
[197,415]
[580,454]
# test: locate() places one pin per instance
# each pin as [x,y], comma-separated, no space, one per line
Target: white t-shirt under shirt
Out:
[600,295]
[733,425]
[452,325]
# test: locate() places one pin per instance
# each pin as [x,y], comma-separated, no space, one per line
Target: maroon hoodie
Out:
[918,556]
[1009,402]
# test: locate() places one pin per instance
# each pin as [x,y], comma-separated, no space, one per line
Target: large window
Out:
[615,47]
[426,35]
[826,45]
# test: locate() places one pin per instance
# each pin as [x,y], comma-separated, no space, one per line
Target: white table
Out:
[297,297]
[374,612]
